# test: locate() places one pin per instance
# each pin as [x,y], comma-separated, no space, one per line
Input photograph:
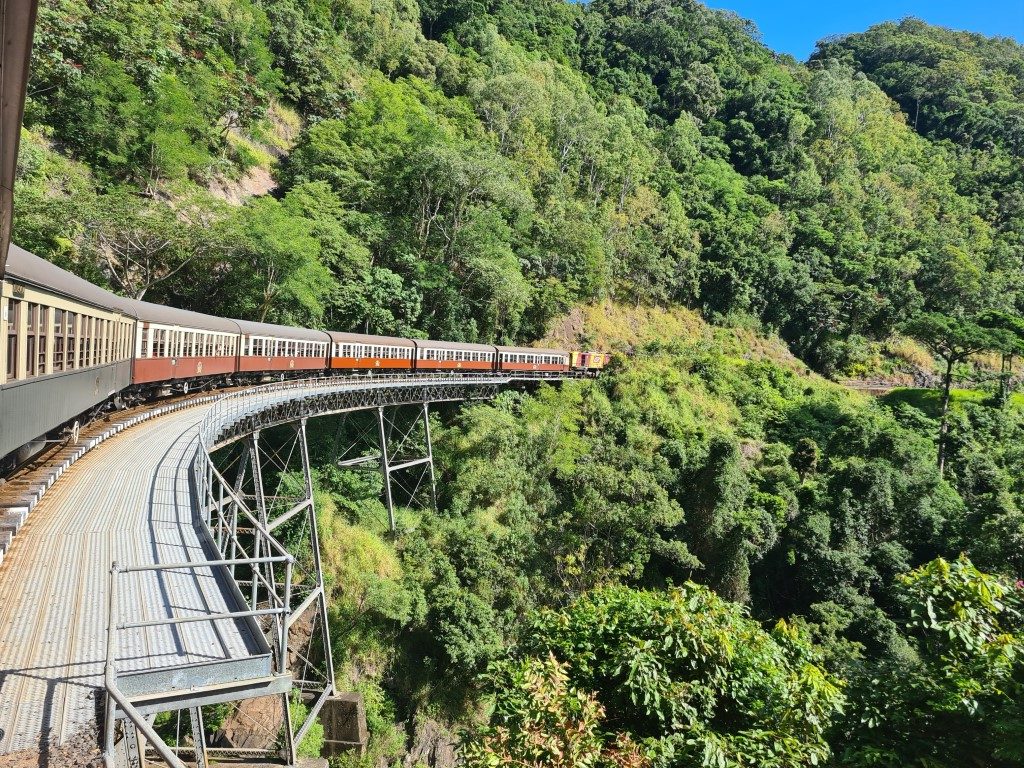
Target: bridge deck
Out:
[130,500]
[127,500]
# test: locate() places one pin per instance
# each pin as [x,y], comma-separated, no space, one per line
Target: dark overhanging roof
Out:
[251,328]
[341,337]
[17,24]
[32,270]
[186,319]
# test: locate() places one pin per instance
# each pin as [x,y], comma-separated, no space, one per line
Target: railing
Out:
[234,406]
[115,698]
[222,508]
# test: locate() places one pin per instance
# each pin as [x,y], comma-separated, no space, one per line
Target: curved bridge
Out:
[200,604]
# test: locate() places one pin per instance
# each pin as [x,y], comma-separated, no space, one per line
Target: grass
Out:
[930,400]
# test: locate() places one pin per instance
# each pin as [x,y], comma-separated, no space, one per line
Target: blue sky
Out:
[794,26]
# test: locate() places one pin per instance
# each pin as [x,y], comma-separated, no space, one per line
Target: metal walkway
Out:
[128,501]
[131,500]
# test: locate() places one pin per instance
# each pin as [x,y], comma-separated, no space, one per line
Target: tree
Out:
[954,698]
[1008,340]
[541,721]
[275,270]
[953,340]
[143,243]
[688,675]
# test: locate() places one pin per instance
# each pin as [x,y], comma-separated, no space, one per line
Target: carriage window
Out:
[90,349]
[83,342]
[35,348]
[95,350]
[145,342]
[13,315]
[58,340]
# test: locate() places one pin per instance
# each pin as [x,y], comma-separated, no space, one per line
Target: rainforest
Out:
[785,527]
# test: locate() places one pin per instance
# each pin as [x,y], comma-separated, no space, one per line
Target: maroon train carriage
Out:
[358,352]
[434,355]
[280,349]
[533,359]
[177,345]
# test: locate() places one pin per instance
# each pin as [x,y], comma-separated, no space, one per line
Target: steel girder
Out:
[333,402]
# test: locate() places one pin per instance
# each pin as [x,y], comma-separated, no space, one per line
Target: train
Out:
[75,350]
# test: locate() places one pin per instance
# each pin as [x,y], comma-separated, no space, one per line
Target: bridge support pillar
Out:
[198,736]
[400,448]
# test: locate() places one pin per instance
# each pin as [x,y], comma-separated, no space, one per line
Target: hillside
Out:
[644,177]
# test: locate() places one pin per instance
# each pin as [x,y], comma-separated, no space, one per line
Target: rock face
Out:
[254,724]
[433,745]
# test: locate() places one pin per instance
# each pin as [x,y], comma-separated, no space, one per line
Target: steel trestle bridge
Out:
[152,578]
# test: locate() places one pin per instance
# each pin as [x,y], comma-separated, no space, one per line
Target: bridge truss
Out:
[253,503]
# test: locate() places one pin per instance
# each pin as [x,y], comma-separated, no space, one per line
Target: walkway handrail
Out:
[117,699]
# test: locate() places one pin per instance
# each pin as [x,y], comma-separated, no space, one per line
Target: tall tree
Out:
[953,340]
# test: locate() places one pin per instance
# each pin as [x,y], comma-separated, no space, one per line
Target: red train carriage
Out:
[355,352]
[175,344]
[532,359]
[267,348]
[449,356]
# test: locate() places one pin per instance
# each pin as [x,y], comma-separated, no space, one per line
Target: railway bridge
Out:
[176,564]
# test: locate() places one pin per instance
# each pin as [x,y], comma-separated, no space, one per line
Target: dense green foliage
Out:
[471,171]
[750,475]
[478,171]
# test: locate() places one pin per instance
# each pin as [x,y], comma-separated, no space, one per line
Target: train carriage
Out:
[279,349]
[74,348]
[68,349]
[512,359]
[434,355]
[354,352]
[175,344]
[589,362]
